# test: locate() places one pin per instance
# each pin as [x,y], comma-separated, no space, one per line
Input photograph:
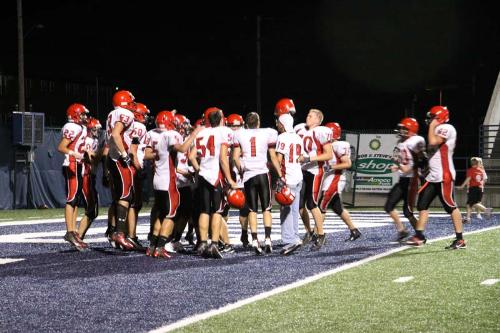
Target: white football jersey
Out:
[340,149]
[290,146]
[404,152]
[208,144]
[300,129]
[126,117]
[313,141]
[254,144]
[441,163]
[77,135]
[182,164]
[139,131]
[165,175]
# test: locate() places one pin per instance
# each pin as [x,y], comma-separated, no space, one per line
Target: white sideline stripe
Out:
[404,279]
[4,261]
[202,316]
[10,219]
[53,220]
[490,282]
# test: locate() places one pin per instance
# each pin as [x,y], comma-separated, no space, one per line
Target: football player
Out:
[167,196]
[137,146]
[441,140]
[334,180]
[119,129]
[253,145]
[72,145]
[91,159]
[317,151]
[212,149]
[407,153]
[289,150]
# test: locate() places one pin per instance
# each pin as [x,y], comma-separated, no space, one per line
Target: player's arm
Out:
[326,155]
[236,157]
[117,138]
[184,147]
[224,164]
[432,138]
[274,161]
[135,160]
[193,154]
[149,154]
[345,163]
[63,148]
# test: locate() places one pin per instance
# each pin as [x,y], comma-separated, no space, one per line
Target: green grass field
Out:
[444,296]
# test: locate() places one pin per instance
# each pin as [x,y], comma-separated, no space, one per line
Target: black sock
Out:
[161,241]
[267,232]
[244,232]
[169,238]
[154,240]
[420,234]
[254,236]
[459,235]
[121,218]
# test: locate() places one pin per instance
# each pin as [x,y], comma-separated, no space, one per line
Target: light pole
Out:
[20,57]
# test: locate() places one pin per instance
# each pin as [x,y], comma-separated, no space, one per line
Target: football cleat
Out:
[465,220]
[228,248]
[268,248]
[256,247]
[290,248]
[355,234]
[121,241]
[202,249]
[402,236]
[213,252]
[307,238]
[319,242]
[82,243]
[415,241]
[457,244]
[150,250]
[170,247]
[136,243]
[109,235]
[179,248]
[161,252]
[70,238]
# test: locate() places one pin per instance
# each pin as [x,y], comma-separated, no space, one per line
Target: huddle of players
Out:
[220,158]
[309,160]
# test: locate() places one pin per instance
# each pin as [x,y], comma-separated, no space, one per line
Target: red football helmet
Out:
[208,112]
[77,113]
[183,123]
[284,196]
[93,125]
[440,113]
[407,127]
[336,130]
[236,198]
[284,105]
[234,120]
[141,113]
[166,120]
[124,99]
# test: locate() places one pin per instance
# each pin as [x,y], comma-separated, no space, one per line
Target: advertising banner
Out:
[373,163]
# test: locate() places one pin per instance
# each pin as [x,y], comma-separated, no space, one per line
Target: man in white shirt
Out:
[288,151]
[252,146]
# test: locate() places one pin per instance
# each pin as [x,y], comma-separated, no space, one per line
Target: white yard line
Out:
[489,282]
[403,279]
[4,261]
[202,316]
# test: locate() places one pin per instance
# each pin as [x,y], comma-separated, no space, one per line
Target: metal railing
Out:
[488,145]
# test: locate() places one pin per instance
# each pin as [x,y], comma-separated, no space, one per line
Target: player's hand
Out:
[394,168]
[280,183]
[304,159]
[126,160]
[233,184]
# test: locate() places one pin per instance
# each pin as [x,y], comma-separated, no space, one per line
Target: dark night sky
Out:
[361,62]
